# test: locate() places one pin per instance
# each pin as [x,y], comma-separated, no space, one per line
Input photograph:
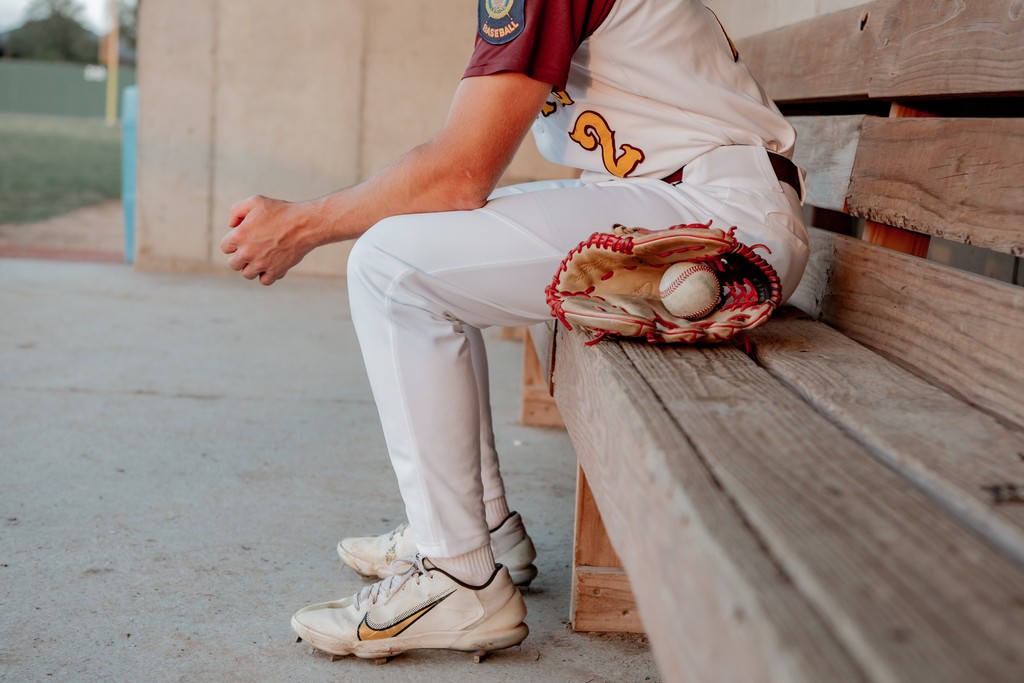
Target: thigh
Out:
[493,264]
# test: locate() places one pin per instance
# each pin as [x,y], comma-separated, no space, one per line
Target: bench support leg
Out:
[602,600]
[538,405]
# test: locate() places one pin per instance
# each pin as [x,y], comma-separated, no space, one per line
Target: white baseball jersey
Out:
[654,85]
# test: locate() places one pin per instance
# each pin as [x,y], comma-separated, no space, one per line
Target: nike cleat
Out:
[373,555]
[422,607]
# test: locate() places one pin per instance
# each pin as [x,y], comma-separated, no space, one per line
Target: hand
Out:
[268,238]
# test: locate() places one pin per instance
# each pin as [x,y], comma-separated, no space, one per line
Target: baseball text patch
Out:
[501,21]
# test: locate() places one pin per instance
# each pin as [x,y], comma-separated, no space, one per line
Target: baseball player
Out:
[649,99]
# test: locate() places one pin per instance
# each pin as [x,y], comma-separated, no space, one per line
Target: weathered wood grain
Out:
[950,47]
[912,593]
[842,518]
[962,331]
[591,546]
[953,452]
[604,601]
[959,179]
[826,58]
[826,147]
[601,600]
[893,49]
[716,606]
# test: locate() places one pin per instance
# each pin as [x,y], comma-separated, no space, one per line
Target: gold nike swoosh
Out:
[368,632]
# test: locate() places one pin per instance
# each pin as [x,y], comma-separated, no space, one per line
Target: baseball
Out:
[690,290]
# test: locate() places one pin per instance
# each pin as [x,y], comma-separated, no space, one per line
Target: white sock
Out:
[497,512]
[473,568]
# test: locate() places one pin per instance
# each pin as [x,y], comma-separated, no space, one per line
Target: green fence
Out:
[57,89]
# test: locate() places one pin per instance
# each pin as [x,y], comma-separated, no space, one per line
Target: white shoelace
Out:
[413,569]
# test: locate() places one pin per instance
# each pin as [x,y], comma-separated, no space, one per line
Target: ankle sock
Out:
[497,511]
[473,568]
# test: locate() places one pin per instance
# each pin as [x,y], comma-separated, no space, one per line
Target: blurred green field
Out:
[50,166]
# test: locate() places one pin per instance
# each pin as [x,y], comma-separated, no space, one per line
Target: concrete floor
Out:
[179,456]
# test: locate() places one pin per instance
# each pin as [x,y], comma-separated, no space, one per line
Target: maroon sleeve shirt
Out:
[533,37]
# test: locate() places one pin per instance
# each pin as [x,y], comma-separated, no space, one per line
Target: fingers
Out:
[237,261]
[239,210]
[253,242]
[254,272]
[228,244]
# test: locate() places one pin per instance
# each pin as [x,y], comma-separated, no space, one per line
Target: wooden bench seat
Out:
[846,501]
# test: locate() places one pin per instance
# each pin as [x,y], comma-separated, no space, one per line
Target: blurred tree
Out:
[129,28]
[53,31]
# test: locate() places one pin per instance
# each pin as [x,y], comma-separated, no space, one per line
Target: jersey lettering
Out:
[592,131]
[560,97]
[501,21]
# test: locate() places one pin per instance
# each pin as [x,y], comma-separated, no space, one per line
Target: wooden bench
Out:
[846,502]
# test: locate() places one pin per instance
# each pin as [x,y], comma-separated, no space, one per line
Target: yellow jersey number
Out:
[592,131]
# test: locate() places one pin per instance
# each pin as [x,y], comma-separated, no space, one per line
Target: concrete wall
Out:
[747,17]
[292,100]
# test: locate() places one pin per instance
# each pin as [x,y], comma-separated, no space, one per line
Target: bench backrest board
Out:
[959,177]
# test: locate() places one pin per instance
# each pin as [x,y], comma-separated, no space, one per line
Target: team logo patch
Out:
[501,21]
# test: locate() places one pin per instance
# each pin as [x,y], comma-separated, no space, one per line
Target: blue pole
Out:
[129,153]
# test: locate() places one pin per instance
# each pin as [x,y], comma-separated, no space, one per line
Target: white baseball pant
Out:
[422,287]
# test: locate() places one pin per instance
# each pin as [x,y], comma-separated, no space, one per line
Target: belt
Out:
[785,170]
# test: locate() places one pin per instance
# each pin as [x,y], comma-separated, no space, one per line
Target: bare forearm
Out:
[418,182]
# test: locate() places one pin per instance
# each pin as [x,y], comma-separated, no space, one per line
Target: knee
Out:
[375,261]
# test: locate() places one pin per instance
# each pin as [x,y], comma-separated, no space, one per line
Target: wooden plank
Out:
[900,239]
[959,179]
[910,592]
[962,331]
[825,58]
[604,602]
[950,47]
[543,337]
[537,406]
[826,147]
[538,409]
[591,545]
[718,606]
[956,454]
[513,333]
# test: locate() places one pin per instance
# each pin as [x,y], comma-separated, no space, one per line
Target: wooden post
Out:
[538,407]
[602,600]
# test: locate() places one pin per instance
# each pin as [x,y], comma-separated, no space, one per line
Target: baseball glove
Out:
[611,285]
